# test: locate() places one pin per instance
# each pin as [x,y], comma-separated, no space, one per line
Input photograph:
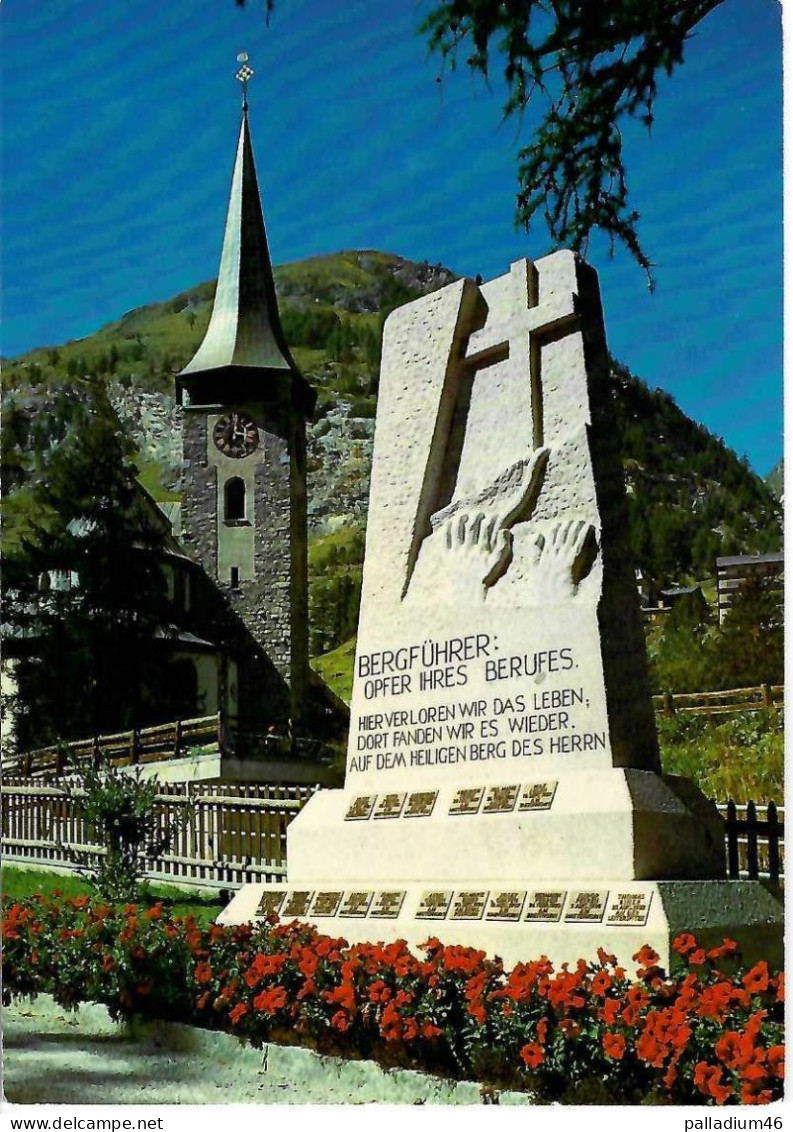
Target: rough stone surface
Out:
[268,550]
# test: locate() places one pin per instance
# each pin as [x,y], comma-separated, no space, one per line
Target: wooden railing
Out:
[755,836]
[722,703]
[126,748]
[227,833]
[236,832]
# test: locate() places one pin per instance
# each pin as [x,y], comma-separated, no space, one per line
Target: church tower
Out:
[244,479]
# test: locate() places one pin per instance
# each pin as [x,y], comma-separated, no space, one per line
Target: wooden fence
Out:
[226,834]
[722,703]
[755,836]
[126,748]
[233,833]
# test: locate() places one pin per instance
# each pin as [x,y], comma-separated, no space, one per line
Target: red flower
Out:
[758,979]
[614,1046]
[714,1002]
[731,1049]
[309,961]
[707,1078]
[780,987]
[609,1011]
[430,1030]
[202,973]
[343,995]
[601,983]
[605,959]
[751,1095]
[542,1030]
[269,1001]
[648,1049]
[725,949]
[684,944]
[237,1012]
[532,1055]
[262,966]
[569,1028]
[340,1021]
[646,957]
[776,1061]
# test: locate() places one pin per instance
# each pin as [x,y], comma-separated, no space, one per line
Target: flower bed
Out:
[711,1033]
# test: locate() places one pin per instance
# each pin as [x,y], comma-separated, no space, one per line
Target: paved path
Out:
[56,1057]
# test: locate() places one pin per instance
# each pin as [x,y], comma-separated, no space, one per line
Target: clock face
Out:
[236,435]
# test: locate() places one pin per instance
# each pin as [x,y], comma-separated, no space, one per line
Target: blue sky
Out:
[119,128]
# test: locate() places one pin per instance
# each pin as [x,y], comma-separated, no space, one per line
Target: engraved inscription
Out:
[389,806]
[421,804]
[505,905]
[360,808]
[356,904]
[537,796]
[546,905]
[501,800]
[387,905]
[297,904]
[467,801]
[434,906]
[629,909]
[326,903]
[469,905]
[586,906]
[270,903]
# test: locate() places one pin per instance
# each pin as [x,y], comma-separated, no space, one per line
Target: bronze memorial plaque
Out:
[467,800]
[537,796]
[421,804]
[326,903]
[297,904]
[505,905]
[270,903]
[469,905]
[389,805]
[500,800]
[545,905]
[387,905]
[356,904]
[434,905]
[360,808]
[586,906]
[629,909]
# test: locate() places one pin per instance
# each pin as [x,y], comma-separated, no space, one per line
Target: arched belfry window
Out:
[234,500]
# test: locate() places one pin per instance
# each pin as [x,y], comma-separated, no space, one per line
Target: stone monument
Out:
[504,788]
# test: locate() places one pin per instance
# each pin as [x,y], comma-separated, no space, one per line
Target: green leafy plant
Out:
[708,1033]
[120,807]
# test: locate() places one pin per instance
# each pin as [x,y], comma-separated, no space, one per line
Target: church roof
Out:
[244,329]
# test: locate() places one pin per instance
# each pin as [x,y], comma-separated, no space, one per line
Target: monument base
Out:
[561,920]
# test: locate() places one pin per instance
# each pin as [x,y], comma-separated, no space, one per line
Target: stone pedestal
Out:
[503,787]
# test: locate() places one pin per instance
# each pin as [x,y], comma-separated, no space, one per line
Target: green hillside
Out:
[690,496]
[775,480]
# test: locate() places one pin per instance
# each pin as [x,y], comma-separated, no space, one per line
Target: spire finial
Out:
[244,75]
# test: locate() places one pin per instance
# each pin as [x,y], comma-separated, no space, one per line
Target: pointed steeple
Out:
[244,331]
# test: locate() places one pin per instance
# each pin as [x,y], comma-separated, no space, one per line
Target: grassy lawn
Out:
[740,756]
[18,883]
[336,668]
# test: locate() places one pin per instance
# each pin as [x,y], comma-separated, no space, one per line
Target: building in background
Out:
[733,571]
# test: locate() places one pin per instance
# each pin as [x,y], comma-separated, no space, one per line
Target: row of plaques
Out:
[466,800]
[585,906]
